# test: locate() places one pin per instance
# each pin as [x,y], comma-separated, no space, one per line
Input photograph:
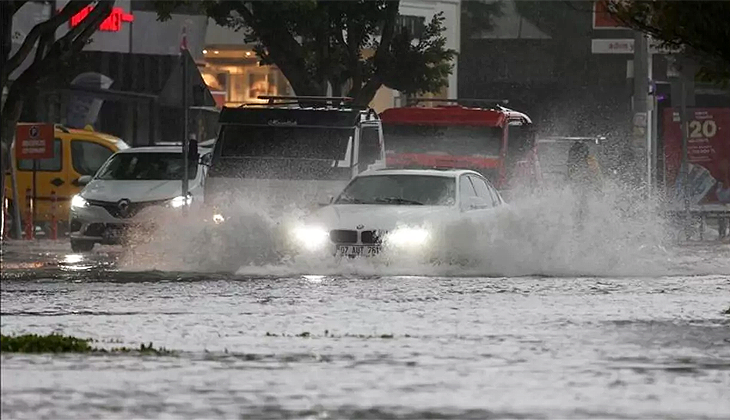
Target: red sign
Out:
[34,141]
[113,23]
[602,19]
[708,154]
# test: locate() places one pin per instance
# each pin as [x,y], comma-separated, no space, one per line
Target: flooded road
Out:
[366,346]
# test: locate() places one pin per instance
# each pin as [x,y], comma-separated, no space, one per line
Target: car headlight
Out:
[78,202]
[180,201]
[311,238]
[408,237]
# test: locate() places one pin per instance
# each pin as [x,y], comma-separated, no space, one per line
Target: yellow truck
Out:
[77,152]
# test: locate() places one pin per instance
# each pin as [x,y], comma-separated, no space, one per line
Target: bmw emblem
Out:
[360,226]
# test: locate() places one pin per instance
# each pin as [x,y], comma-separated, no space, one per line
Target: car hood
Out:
[134,191]
[378,216]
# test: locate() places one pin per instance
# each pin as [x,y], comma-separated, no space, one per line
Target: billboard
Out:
[708,154]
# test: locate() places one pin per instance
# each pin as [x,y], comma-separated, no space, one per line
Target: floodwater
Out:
[627,329]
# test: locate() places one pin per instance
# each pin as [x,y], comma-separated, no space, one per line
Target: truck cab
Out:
[477,134]
[292,151]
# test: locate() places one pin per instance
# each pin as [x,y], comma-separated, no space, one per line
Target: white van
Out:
[284,154]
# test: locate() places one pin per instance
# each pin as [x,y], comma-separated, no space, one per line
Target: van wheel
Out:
[81,246]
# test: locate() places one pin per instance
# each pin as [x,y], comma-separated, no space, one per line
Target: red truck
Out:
[477,134]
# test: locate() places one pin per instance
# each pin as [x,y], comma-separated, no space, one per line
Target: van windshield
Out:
[146,166]
[251,141]
[276,152]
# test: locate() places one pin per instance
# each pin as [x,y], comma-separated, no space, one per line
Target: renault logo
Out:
[123,206]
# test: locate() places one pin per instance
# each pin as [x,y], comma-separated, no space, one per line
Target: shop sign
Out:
[113,23]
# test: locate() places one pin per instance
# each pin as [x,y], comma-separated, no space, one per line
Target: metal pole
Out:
[186,140]
[685,160]
[641,77]
[35,194]
[17,231]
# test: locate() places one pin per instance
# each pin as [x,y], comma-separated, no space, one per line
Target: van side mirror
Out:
[84,180]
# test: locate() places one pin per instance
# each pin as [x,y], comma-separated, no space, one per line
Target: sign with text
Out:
[113,23]
[708,154]
[624,46]
[34,141]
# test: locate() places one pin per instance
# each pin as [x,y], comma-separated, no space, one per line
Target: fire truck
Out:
[478,134]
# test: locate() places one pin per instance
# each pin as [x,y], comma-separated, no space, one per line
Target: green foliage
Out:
[56,343]
[316,43]
[699,27]
[52,343]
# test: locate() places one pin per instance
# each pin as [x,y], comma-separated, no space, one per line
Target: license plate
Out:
[357,251]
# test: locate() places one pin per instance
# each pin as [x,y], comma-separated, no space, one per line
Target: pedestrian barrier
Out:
[29,227]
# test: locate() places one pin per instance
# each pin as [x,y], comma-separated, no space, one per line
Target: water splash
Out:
[557,232]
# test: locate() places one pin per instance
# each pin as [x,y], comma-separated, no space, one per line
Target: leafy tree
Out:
[699,27]
[49,54]
[320,43]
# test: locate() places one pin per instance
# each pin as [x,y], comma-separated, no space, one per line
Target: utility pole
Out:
[641,135]
[186,140]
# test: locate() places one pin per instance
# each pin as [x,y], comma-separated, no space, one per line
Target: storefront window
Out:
[235,77]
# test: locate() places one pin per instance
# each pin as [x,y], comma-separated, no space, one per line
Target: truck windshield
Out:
[449,140]
[146,166]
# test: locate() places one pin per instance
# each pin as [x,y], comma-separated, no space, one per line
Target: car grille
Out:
[366,237]
[371,237]
[343,236]
[134,208]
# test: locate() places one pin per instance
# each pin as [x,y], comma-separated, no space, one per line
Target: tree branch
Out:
[376,81]
[49,26]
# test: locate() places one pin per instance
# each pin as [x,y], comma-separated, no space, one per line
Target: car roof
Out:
[447,172]
[153,149]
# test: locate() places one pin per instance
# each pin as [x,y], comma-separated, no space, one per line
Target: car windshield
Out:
[451,140]
[146,166]
[400,189]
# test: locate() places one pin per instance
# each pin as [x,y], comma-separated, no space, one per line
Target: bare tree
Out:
[48,54]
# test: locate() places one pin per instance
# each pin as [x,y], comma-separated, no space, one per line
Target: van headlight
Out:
[311,238]
[78,202]
[408,237]
[180,201]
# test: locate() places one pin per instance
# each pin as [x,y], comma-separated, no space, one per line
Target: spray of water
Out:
[557,232]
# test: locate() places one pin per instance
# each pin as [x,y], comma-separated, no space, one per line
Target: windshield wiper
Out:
[397,200]
[349,200]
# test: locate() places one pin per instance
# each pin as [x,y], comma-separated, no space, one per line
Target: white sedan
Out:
[127,192]
[395,209]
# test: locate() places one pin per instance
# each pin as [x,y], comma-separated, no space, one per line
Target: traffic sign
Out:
[34,141]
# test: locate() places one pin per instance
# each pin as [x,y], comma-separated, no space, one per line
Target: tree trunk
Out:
[10,116]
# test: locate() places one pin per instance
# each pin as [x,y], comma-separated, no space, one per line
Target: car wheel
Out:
[81,246]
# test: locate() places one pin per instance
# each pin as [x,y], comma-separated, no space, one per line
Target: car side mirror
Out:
[473,203]
[84,180]
[330,199]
